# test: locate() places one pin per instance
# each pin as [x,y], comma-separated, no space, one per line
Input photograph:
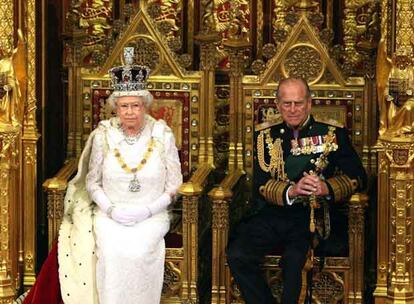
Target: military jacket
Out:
[282,155]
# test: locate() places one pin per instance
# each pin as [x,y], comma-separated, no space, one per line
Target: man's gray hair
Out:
[284,81]
[145,94]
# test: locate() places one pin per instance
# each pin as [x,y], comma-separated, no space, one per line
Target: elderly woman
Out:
[111,242]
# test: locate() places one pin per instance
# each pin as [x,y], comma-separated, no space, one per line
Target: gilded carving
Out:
[7,27]
[269,50]
[166,15]
[209,20]
[258,66]
[190,209]
[30,155]
[239,20]
[356,219]
[400,156]
[30,119]
[91,20]
[146,52]
[328,287]
[12,87]
[220,214]
[28,262]
[172,279]
[303,61]
[174,253]
[55,204]
[404,30]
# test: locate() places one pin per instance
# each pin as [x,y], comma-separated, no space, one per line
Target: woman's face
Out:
[131,110]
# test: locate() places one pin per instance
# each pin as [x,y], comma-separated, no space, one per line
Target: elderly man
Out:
[299,162]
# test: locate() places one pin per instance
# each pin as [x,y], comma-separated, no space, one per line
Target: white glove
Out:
[100,198]
[130,215]
[160,204]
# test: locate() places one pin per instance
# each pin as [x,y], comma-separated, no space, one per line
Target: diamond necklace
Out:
[134,184]
[132,139]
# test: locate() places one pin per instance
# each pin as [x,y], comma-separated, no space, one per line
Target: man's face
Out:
[293,103]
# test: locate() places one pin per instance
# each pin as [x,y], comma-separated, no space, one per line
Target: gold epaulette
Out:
[328,121]
[268,124]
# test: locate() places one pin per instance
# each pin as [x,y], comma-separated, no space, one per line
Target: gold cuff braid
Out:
[342,186]
[273,190]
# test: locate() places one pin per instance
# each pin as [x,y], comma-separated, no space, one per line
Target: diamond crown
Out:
[129,77]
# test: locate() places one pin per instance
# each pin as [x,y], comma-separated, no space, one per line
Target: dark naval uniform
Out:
[282,156]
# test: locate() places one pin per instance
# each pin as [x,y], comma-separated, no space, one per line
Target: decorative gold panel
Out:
[303,61]
[7,27]
[396,192]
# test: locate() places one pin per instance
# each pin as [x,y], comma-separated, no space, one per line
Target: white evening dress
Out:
[130,259]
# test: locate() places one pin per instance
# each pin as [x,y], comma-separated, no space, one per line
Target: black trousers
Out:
[255,237]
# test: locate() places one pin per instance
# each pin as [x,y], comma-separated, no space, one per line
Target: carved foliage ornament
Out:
[6,17]
[303,61]
[328,287]
[172,278]
[146,53]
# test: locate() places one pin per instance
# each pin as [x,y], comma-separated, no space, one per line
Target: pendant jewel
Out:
[134,185]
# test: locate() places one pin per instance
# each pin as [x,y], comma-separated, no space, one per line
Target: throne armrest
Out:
[55,188]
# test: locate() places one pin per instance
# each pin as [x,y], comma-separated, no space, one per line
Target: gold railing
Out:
[221,197]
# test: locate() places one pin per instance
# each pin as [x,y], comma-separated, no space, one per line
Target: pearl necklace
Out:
[134,184]
[132,139]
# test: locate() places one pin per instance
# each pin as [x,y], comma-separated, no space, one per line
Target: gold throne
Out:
[334,97]
[176,100]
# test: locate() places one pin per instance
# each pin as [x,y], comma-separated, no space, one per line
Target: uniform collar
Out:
[302,129]
[305,124]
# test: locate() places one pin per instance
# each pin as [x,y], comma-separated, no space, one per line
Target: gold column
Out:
[395,280]
[191,192]
[236,50]
[7,139]
[356,222]
[208,61]
[220,226]
[350,32]
[221,197]
[8,136]
[395,270]
[29,151]
[380,292]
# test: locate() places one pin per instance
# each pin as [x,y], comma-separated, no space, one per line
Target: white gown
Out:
[130,259]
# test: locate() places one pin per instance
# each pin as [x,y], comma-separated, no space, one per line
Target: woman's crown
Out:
[129,77]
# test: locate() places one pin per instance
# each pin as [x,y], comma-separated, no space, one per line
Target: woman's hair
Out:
[145,94]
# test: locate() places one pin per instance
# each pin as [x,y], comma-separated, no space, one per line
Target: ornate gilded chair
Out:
[341,278]
[178,101]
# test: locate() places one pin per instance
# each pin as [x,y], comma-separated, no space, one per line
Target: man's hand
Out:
[308,185]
